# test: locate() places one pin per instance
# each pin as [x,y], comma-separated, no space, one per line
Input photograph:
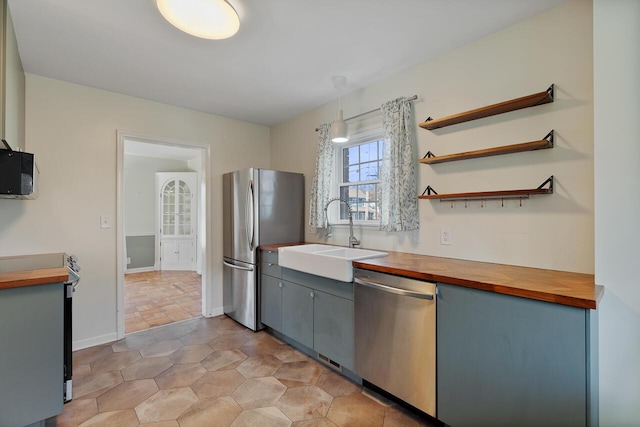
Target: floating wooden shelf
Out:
[546,142]
[483,195]
[491,110]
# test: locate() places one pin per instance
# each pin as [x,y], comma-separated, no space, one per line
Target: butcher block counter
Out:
[29,270]
[560,287]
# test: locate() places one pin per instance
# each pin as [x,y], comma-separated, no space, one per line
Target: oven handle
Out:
[237,267]
[393,290]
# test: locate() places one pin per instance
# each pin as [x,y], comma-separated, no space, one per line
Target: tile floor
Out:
[214,372]
[160,297]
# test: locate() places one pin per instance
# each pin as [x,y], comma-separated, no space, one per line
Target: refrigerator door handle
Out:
[237,267]
[248,215]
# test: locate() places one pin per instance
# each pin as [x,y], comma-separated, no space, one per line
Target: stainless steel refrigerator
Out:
[260,207]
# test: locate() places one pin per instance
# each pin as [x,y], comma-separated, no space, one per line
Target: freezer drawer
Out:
[240,296]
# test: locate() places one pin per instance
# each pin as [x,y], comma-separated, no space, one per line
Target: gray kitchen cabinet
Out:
[297,313]
[271,302]
[31,353]
[333,328]
[315,311]
[505,361]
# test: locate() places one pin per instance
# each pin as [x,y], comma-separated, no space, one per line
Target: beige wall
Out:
[617,133]
[554,232]
[72,131]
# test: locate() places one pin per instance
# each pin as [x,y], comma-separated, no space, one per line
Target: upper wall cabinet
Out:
[12,82]
[491,110]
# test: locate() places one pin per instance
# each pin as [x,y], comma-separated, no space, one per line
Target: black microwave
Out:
[18,175]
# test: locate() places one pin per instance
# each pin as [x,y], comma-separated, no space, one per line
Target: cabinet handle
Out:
[312,295]
[280,284]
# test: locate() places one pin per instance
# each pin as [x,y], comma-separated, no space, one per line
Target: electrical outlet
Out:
[128,260]
[106,221]
[445,235]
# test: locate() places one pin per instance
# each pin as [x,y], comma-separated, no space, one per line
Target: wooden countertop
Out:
[560,287]
[42,276]
[30,270]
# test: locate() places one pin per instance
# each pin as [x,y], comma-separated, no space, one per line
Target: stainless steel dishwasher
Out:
[395,336]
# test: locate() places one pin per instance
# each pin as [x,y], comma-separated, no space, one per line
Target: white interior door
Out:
[177,198]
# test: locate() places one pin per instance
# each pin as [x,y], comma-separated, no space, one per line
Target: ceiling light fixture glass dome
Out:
[207,19]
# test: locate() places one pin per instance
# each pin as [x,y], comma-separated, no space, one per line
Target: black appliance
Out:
[69,288]
[18,174]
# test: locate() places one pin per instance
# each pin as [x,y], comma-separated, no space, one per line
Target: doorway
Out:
[162,223]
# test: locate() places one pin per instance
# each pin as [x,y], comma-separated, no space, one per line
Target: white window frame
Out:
[334,208]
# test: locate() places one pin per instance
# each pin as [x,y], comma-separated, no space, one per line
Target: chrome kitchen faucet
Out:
[352,239]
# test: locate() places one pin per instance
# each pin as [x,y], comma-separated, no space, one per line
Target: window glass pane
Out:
[369,172]
[351,155]
[352,174]
[345,192]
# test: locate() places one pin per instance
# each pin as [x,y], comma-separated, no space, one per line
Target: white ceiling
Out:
[278,65]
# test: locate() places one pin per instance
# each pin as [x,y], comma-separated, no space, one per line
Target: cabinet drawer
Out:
[330,286]
[271,269]
[269,256]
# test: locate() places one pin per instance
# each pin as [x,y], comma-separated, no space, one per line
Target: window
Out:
[358,176]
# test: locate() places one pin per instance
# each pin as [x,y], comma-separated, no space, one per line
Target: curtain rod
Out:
[413,98]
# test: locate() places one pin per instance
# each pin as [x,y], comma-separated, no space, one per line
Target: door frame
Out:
[204,207]
[158,198]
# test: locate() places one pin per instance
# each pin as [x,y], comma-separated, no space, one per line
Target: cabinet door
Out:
[509,361]
[271,302]
[297,312]
[333,328]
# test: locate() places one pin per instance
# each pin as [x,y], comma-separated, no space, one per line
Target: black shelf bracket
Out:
[429,190]
[428,119]
[429,155]
[550,139]
[549,182]
[551,91]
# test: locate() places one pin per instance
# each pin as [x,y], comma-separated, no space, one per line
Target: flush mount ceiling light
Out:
[339,128]
[207,19]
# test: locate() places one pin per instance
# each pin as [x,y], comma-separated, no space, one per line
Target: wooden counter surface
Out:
[560,287]
[16,279]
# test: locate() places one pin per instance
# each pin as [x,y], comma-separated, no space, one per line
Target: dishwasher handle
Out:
[393,290]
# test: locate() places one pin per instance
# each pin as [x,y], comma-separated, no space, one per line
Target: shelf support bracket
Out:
[551,91]
[429,119]
[429,155]
[549,182]
[429,191]
[550,139]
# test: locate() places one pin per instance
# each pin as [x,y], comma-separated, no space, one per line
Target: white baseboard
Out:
[218,311]
[139,270]
[90,342]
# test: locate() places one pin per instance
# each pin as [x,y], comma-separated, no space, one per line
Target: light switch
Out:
[105,221]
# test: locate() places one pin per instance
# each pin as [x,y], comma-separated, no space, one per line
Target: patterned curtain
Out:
[321,189]
[399,198]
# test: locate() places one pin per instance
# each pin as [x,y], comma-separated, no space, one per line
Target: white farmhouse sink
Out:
[329,261]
